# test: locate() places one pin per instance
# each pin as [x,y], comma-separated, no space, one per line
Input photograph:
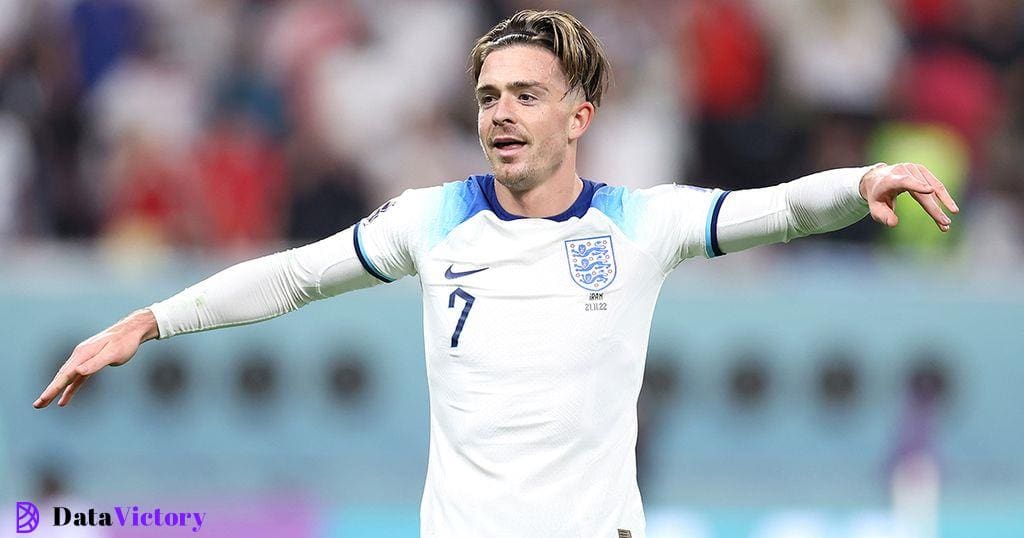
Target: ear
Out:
[580,120]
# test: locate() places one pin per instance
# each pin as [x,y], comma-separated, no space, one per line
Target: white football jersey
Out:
[536,332]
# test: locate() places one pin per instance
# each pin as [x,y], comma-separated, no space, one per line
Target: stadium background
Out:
[864,384]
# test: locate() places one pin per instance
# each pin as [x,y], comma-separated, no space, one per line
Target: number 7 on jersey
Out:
[465,312]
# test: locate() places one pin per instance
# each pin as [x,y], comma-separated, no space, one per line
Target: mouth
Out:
[507,146]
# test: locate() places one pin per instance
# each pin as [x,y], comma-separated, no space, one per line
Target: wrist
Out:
[143,323]
[867,179]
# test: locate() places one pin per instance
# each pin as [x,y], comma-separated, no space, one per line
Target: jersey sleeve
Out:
[380,248]
[388,241]
[813,204]
[674,222]
[263,288]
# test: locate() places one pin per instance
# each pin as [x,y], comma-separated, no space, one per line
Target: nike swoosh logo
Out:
[449,274]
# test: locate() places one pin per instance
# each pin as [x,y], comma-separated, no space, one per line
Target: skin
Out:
[522,94]
[882,184]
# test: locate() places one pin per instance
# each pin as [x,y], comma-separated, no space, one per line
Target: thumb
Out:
[883,214]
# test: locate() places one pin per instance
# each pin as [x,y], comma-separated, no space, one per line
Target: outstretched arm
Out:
[827,201]
[251,291]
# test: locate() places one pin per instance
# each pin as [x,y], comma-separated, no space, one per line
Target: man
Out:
[538,291]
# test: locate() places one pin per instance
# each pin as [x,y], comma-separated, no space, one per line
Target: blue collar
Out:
[577,209]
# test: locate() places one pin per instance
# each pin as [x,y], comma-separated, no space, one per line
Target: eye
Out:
[486,100]
[527,98]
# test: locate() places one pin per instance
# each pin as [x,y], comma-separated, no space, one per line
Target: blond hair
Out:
[578,50]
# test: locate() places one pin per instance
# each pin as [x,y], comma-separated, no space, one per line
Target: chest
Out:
[535,259]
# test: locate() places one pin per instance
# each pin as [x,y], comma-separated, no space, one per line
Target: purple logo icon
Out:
[28,517]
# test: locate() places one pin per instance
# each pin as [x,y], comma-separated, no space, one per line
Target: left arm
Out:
[827,201]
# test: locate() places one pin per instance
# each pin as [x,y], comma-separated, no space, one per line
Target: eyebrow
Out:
[515,85]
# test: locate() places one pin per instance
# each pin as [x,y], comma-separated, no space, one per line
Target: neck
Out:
[548,198]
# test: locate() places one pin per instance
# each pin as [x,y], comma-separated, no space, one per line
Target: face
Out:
[527,118]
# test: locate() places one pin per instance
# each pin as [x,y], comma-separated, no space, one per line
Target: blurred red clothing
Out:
[728,55]
[152,197]
[242,181]
[928,17]
[953,88]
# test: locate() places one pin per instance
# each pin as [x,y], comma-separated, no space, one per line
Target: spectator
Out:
[823,60]
[105,32]
[241,177]
[328,195]
[951,87]
[15,162]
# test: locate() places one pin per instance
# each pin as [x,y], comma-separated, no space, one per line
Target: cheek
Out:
[552,134]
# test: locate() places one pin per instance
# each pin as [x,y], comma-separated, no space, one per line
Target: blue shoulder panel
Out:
[617,204]
[460,201]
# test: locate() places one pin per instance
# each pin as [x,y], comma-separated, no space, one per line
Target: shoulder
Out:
[623,205]
[409,206]
[458,201]
[462,199]
[431,213]
[613,198]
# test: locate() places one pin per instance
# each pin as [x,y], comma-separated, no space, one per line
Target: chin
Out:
[515,177]
[514,180]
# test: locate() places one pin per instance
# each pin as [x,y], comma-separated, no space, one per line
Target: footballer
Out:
[538,291]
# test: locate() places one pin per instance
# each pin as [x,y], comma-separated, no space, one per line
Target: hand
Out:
[112,347]
[882,184]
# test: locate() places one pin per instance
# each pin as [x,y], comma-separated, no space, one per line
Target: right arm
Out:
[251,291]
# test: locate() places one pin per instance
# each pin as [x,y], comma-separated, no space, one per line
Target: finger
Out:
[940,189]
[911,183]
[66,374]
[64,377]
[883,214]
[931,206]
[110,355]
[70,391]
[95,364]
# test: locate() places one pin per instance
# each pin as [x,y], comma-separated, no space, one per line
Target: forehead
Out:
[521,62]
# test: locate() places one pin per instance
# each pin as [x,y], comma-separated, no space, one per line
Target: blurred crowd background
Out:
[862,384]
[217,124]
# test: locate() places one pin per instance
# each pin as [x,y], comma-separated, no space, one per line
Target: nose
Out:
[503,111]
